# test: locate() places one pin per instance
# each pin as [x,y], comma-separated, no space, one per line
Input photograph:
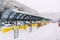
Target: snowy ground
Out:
[47,32]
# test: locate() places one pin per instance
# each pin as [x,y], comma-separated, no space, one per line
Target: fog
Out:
[47,8]
[43,6]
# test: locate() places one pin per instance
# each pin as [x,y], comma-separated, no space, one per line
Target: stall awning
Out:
[9,15]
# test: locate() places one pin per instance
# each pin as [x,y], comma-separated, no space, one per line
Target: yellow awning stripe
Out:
[24,27]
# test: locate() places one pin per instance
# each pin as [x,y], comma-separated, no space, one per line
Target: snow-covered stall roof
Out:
[9,14]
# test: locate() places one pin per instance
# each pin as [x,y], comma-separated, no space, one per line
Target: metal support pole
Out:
[16,32]
[0,24]
[30,25]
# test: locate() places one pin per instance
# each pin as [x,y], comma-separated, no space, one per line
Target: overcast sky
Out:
[49,8]
[43,5]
